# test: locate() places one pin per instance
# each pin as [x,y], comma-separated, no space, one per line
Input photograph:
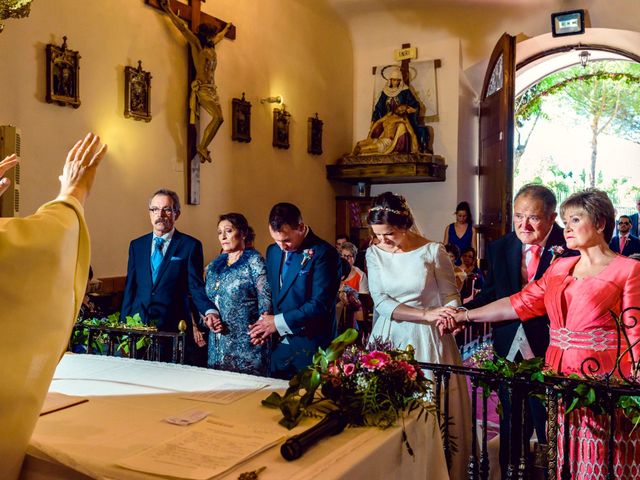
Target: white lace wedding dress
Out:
[422,278]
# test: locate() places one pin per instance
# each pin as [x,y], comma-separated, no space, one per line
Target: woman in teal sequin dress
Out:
[236,281]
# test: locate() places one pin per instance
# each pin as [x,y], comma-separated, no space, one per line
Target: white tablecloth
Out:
[129,398]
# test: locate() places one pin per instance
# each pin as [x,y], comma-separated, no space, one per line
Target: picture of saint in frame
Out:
[281,121]
[63,80]
[137,93]
[240,120]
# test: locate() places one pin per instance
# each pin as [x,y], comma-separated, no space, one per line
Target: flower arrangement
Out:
[307,254]
[374,386]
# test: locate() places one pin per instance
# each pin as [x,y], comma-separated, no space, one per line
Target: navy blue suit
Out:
[634,224]
[307,299]
[180,274]
[504,261]
[631,245]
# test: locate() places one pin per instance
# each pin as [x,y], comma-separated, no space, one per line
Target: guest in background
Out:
[236,282]
[49,252]
[624,243]
[462,233]
[635,224]
[454,255]
[412,284]
[579,294]
[341,239]
[356,278]
[304,273]
[350,309]
[165,268]
[474,279]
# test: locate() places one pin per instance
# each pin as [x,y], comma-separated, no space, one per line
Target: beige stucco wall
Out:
[295,48]
[462,33]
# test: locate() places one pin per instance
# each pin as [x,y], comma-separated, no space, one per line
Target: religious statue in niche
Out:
[63,77]
[137,93]
[391,133]
[203,88]
[281,121]
[413,87]
[240,120]
[314,136]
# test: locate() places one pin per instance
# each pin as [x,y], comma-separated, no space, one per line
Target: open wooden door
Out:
[496,143]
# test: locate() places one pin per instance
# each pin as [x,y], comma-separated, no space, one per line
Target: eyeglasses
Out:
[347,256]
[165,210]
[624,223]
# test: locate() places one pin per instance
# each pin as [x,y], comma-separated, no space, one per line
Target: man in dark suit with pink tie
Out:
[624,242]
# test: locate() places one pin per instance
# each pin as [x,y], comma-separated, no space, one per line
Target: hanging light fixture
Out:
[584,58]
[14,9]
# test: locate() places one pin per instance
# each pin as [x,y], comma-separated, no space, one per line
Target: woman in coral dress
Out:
[411,281]
[579,294]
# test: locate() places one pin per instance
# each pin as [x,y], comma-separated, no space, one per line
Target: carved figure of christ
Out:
[202,92]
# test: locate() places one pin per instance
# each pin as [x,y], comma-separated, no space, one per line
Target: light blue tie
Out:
[156,257]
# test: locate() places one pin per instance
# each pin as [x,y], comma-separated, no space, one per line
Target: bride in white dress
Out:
[412,283]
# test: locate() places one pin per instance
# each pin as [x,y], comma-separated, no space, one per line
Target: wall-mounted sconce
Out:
[584,58]
[277,99]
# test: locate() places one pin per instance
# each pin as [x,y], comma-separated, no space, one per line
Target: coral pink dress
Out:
[581,328]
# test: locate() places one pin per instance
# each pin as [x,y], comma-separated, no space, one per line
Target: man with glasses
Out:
[624,243]
[165,268]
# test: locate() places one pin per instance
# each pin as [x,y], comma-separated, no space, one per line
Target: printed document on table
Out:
[205,450]
[227,393]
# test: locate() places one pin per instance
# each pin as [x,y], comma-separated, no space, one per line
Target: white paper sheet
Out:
[206,450]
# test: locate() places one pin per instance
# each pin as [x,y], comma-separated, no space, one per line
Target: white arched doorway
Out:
[561,151]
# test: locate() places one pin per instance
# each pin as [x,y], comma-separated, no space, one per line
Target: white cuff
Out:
[281,325]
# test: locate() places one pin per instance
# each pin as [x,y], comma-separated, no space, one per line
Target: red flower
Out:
[408,369]
[375,360]
[349,368]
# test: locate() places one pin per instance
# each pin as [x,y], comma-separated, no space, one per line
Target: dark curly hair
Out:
[240,223]
[390,209]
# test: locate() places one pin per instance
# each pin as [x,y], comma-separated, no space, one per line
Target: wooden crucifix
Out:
[202,90]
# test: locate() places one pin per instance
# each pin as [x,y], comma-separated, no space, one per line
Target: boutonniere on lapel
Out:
[556,252]
[307,255]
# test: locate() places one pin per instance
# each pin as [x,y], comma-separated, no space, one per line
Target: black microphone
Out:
[332,424]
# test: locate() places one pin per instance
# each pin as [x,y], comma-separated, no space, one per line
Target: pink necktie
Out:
[622,241]
[534,261]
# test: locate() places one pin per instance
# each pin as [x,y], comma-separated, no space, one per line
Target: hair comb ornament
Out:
[379,208]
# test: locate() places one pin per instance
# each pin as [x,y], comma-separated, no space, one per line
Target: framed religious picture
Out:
[314,136]
[137,93]
[281,121]
[240,120]
[63,77]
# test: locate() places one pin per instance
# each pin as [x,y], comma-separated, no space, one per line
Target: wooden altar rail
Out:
[557,392]
[115,335]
